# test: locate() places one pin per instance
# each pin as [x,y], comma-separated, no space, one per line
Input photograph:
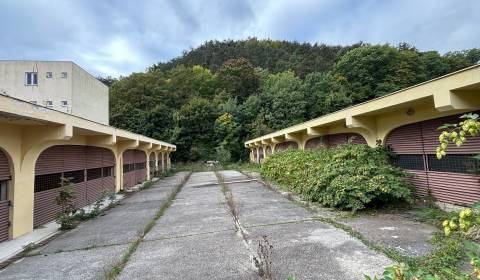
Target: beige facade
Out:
[59,85]
[451,94]
[26,130]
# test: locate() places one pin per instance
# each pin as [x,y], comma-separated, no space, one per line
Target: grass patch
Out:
[203,167]
[431,214]
[118,267]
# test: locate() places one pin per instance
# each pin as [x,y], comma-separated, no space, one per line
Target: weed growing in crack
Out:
[232,206]
[263,260]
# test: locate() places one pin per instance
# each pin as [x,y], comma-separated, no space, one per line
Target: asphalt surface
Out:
[197,238]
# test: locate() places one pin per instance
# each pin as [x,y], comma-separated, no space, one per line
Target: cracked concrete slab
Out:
[303,249]
[208,256]
[313,250]
[395,231]
[75,265]
[194,239]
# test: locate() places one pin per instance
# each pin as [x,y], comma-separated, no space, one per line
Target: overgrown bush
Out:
[348,176]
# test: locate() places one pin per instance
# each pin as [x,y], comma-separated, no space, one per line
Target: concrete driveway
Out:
[197,238]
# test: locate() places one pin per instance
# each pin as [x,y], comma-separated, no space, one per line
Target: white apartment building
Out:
[59,85]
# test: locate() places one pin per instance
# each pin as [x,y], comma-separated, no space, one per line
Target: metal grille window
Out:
[3,190]
[454,163]
[108,171]
[94,173]
[126,168]
[47,182]
[75,177]
[132,167]
[140,165]
[412,162]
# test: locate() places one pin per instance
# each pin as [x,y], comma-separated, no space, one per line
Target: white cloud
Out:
[118,37]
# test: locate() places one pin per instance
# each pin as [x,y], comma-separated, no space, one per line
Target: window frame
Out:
[29,78]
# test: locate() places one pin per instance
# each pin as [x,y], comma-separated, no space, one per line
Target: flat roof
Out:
[17,109]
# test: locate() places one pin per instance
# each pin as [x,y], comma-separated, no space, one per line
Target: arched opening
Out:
[134,168]
[268,150]
[261,156]
[90,169]
[453,179]
[314,143]
[286,145]
[5,185]
[333,140]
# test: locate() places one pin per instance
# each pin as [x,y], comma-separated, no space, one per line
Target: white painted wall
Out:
[90,96]
[86,96]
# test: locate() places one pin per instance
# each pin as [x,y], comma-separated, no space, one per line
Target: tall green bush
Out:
[346,177]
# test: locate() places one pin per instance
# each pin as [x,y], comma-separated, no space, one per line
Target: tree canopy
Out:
[211,99]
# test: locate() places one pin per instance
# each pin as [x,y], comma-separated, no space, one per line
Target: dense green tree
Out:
[275,56]
[282,100]
[136,102]
[193,133]
[237,77]
[374,70]
[323,95]
[227,133]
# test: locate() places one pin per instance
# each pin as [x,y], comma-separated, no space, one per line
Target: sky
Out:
[118,37]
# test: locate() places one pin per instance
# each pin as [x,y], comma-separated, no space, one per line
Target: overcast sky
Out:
[117,37]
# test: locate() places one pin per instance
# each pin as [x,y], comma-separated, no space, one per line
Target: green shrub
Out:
[348,176]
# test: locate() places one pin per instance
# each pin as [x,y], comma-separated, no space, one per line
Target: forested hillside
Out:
[211,99]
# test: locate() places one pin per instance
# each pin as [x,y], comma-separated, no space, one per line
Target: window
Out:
[108,171]
[412,162]
[140,165]
[94,173]
[75,177]
[31,79]
[49,104]
[454,163]
[49,75]
[64,103]
[126,168]
[63,75]
[47,182]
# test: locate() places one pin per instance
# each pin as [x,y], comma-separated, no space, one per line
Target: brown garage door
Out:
[128,169]
[5,177]
[134,168]
[452,179]
[140,166]
[83,165]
